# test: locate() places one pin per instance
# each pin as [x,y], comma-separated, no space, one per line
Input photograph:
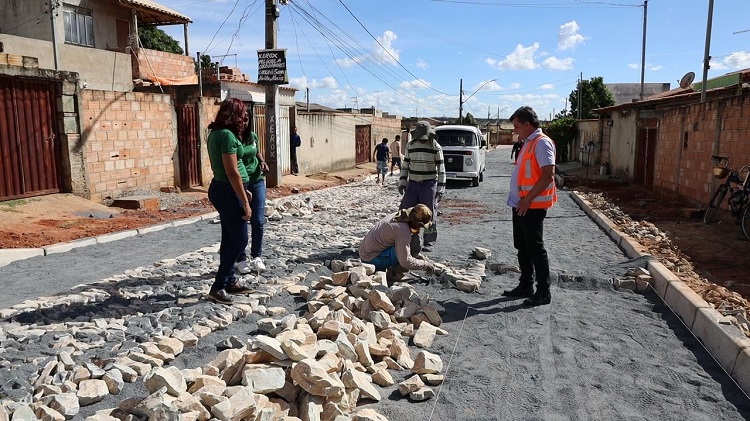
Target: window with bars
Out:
[79,26]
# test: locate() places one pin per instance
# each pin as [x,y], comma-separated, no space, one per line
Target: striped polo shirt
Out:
[423,161]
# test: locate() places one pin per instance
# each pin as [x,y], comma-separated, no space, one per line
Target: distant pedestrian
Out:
[257,169]
[396,153]
[295,143]
[422,178]
[227,194]
[380,154]
[517,145]
[532,192]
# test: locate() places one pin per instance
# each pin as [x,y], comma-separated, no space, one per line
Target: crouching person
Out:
[388,245]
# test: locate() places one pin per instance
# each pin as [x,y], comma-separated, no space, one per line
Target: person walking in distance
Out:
[256,168]
[422,178]
[380,154]
[396,153]
[517,145]
[295,143]
[227,193]
[532,192]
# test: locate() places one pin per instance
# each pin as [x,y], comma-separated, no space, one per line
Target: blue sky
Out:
[407,57]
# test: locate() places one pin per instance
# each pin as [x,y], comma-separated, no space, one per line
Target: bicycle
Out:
[737,184]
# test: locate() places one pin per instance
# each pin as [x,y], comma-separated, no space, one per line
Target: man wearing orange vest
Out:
[532,192]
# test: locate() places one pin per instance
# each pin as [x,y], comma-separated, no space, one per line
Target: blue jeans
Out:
[257,220]
[387,258]
[233,231]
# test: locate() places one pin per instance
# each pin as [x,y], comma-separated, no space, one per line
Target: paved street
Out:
[593,354]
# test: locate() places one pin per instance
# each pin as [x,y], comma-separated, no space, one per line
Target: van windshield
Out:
[456,138]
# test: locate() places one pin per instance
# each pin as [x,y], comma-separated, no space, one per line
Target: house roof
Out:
[680,95]
[152,13]
[302,106]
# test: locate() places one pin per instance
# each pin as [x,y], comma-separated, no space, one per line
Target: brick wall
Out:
[129,141]
[161,64]
[688,136]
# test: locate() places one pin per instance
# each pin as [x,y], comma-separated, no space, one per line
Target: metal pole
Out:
[580,85]
[54,32]
[307,96]
[706,54]
[185,31]
[273,178]
[460,101]
[643,48]
[200,75]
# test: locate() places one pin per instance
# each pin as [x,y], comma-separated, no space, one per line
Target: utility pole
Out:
[460,101]
[307,98]
[643,48]
[273,178]
[53,4]
[580,85]
[707,53]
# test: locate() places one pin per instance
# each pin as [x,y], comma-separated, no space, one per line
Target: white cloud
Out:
[548,86]
[649,66]
[515,85]
[421,64]
[569,37]
[736,60]
[522,58]
[493,86]
[383,49]
[554,63]
[415,84]
[325,83]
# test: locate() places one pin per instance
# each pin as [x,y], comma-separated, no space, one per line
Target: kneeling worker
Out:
[388,244]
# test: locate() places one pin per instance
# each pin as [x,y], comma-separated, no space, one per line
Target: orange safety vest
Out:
[529,173]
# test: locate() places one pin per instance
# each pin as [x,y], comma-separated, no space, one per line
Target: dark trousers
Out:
[293,156]
[528,239]
[423,192]
[258,218]
[233,231]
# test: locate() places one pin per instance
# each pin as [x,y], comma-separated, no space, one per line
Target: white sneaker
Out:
[258,263]
[245,267]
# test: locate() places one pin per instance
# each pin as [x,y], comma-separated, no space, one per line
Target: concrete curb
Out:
[725,342]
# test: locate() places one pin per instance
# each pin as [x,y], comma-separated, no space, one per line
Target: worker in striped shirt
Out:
[422,177]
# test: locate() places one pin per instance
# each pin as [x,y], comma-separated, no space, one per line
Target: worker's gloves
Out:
[401,190]
[429,268]
[438,197]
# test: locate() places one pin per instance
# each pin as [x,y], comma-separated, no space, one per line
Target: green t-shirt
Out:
[250,158]
[221,142]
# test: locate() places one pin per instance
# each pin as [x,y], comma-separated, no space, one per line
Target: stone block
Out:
[11,255]
[150,203]
[662,276]
[684,301]
[724,342]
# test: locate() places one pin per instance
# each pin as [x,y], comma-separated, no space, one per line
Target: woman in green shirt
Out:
[227,194]
[256,171]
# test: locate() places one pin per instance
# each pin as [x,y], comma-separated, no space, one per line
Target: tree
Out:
[593,95]
[562,131]
[154,38]
[468,120]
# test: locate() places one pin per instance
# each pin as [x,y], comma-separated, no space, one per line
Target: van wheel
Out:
[475,182]
[481,176]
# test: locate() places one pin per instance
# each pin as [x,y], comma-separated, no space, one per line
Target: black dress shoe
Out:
[520,291]
[538,300]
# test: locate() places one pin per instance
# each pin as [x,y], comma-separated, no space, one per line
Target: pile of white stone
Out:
[318,366]
[276,210]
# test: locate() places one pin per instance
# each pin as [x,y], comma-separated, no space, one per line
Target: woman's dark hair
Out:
[526,114]
[232,115]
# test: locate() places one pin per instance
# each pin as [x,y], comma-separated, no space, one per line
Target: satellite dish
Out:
[687,79]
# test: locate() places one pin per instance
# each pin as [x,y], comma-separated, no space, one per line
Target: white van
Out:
[464,150]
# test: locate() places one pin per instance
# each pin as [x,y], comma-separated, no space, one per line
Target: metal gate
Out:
[188,145]
[645,147]
[362,151]
[29,145]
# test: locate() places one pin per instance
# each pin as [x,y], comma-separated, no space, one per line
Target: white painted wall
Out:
[327,142]
[622,144]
